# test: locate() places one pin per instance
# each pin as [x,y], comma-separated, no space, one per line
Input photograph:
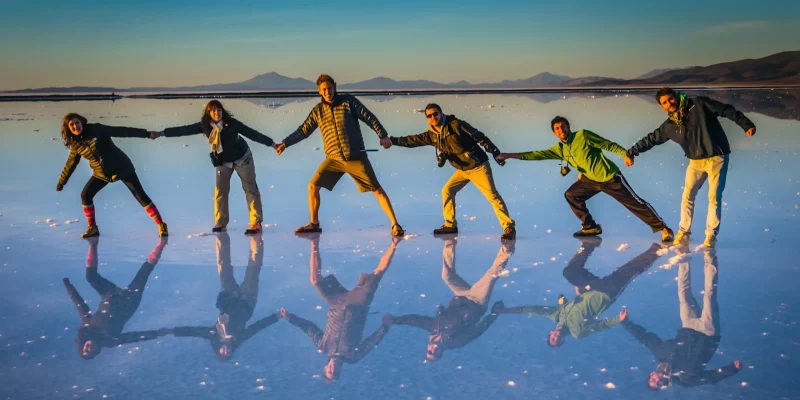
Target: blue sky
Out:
[49,43]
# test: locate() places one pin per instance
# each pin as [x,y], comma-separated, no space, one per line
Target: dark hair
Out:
[665,91]
[433,106]
[337,372]
[556,120]
[560,341]
[85,334]
[205,121]
[66,134]
[325,78]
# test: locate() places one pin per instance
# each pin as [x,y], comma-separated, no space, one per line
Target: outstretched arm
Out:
[553,153]
[654,139]
[305,130]
[728,111]
[72,162]
[259,326]
[543,311]
[712,376]
[140,336]
[417,321]
[202,332]
[600,142]
[648,339]
[368,117]
[463,337]
[372,340]
[305,325]
[480,138]
[422,139]
[251,133]
[598,326]
[119,131]
[186,130]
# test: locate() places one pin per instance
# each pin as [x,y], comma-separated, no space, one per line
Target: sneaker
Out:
[666,235]
[91,231]
[309,228]
[162,230]
[398,230]
[508,234]
[682,238]
[253,229]
[446,230]
[590,231]
[710,242]
[218,229]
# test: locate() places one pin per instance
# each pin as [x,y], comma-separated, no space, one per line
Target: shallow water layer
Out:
[168,301]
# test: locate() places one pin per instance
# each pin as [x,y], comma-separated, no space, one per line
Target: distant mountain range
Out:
[777,69]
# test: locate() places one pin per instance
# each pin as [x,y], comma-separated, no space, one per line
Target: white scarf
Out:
[214,137]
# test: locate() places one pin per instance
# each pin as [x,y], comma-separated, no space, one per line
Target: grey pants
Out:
[246,170]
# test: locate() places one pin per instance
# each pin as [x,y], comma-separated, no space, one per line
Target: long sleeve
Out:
[480,138]
[305,130]
[709,377]
[134,337]
[119,131]
[550,312]
[80,304]
[417,321]
[467,335]
[422,139]
[203,332]
[368,117]
[72,162]
[369,343]
[598,326]
[259,326]
[186,130]
[553,153]
[728,111]
[308,327]
[650,340]
[600,142]
[251,133]
[654,139]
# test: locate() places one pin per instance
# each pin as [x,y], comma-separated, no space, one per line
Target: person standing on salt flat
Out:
[458,142]
[337,116]
[583,150]
[229,153]
[109,163]
[693,123]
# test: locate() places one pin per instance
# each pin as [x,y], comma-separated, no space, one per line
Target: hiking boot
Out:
[710,242]
[162,230]
[398,230]
[218,229]
[446,230]
[682,238]
[589,231]
[666,235]
[91,231]
[509,234]
[309,228]
[253,229]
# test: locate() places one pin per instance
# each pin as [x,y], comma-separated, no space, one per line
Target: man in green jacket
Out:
[583,150]
[459,143]
[579,317]
[693,123]
[337,116]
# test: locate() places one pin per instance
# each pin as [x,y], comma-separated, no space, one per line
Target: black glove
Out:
[59,187]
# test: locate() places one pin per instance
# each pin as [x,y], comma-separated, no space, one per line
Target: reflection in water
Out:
[347,318]
[460,322]
[683,360]
[235,302]
[104,328]
[579,317]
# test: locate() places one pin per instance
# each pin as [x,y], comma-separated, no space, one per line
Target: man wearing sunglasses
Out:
[583,150]
[458,142]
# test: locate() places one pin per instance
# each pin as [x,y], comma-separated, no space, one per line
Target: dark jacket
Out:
[688,354]
[233,146]
[343,333]
[458,324]
[459,142]
[108,162]
[338,121]
[701,135]
[238,329]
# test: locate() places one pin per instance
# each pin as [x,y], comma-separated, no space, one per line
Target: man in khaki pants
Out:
[692,123]
[458,142]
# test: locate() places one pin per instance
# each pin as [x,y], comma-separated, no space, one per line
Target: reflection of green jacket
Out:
[579,315]
[584,151]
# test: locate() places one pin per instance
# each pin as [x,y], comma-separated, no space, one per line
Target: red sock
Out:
[154,214]
[88,211]
[91,257]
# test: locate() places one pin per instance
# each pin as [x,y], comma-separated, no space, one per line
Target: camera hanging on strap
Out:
[564,165]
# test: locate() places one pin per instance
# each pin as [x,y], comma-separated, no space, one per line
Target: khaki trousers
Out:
[482,178]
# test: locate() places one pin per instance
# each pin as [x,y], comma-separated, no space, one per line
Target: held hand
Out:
[629,161]
[752,131]
[283,313]
[386,142]
[279,148]
[155,135]
[59,187]
[502,157]
[387,320]
[737,364]
[623,315]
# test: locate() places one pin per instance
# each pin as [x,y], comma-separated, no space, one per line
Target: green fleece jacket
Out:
[579,315]
[583,150]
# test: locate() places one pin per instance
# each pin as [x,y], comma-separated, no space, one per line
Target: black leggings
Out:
[94,185]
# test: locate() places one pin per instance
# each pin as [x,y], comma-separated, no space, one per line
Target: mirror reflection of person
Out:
[341,340]
[236,303]
[104,328]
[579,317]
[683,360]
[460,322]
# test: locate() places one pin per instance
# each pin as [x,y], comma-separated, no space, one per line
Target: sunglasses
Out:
[435,114]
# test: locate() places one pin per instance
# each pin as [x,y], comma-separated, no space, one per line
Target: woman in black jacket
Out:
[229,153]
[93,142]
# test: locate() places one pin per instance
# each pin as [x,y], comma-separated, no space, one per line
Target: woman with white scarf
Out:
[229,153]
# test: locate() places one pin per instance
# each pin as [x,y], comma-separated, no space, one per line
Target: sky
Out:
[153,43]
